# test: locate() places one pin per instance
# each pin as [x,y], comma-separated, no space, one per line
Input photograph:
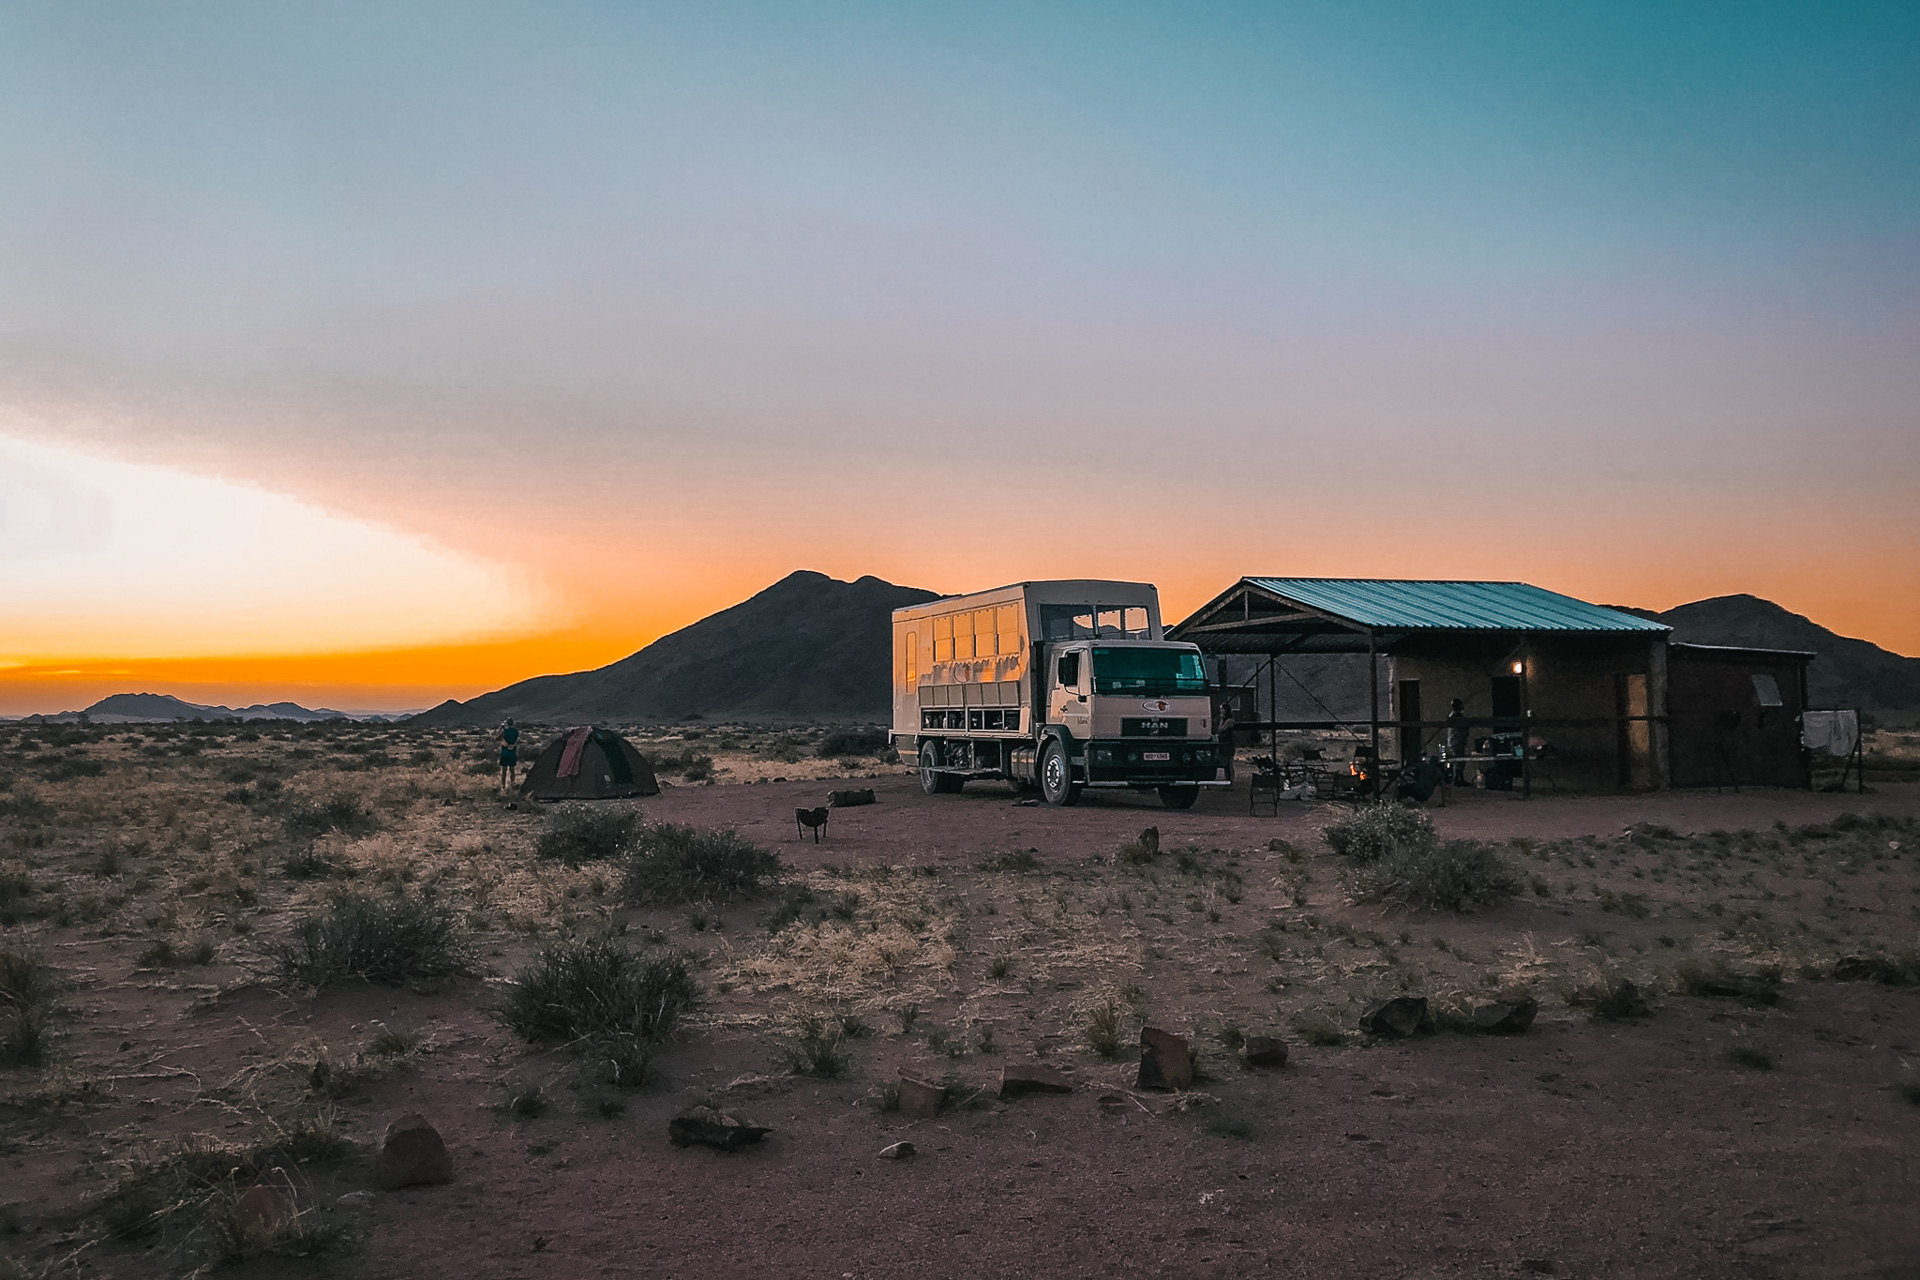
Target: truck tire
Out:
[1057,786]
[1179,797]
[932,781]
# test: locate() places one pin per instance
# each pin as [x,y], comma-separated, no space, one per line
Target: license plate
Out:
[1156,757]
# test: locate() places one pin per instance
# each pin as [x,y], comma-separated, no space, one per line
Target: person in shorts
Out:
[509,756]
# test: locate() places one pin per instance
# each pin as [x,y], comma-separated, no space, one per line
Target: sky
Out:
[371,354]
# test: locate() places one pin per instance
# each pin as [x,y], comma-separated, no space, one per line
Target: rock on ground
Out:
[712,1127]
[1398,1018]
[1265,1051]
[920,1100]
[1032,1078]
[1506,1017]
[412,1154]
[1165,1060]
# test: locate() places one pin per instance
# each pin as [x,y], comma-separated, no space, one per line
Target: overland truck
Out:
[1055,686]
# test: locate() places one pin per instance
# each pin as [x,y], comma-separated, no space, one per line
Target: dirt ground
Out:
[953,936]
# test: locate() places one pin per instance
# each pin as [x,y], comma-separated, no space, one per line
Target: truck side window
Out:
[1069,671]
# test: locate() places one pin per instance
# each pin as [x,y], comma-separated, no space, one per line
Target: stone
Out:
[1032,1078]
[920,1100]
[1265,1051]
[262,1210]
[1398,1018]
[1165,1060]
[712,1127]
[1506,1017]
[411,1154]
[355,1200]
[898,1151]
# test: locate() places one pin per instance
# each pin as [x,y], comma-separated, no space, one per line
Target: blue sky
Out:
[1627,263]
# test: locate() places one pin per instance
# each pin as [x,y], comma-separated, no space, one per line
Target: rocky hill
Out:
[150,708]
[808,647]
[1848,672]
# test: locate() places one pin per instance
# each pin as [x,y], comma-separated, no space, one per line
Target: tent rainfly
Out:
[589,764]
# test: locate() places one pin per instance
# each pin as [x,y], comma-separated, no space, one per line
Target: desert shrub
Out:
[1103,1029]
[1380,831]
[1610,1001]
[577,833]
[670,863]
[16,892]
[26,1007]
[387,938]
[310,863]
[1143,848]
[790,903]
[191,1195]
[1717,980]
[1021,860]
[614,1004]
[342,813]
[864,741]
[1895,969]
[814,1049]
[1457,875]
[688,762]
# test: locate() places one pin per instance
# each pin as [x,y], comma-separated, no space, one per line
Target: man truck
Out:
[1054,686]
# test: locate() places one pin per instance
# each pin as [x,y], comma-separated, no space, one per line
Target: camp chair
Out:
[1265,781]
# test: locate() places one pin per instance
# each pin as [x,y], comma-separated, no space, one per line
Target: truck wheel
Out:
[1179,797]
[1056,775]
[932,781]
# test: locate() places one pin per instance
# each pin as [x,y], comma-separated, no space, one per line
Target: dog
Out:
[815,818]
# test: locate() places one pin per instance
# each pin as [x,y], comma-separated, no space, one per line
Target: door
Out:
[1410,737]
[1067,703]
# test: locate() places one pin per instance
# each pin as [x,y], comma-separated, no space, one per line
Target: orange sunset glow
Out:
[286,412]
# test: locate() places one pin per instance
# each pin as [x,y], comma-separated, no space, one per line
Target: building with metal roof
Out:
[1519,680]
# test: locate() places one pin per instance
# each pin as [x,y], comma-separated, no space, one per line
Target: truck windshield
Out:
[1148,671]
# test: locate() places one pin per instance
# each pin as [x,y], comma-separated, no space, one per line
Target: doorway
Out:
[1635,736]
[1409,708]
[1506,699]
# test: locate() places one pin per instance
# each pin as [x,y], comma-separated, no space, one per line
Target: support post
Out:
[1526,720]
[1373,691]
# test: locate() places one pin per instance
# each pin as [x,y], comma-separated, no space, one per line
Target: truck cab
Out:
[1128,713]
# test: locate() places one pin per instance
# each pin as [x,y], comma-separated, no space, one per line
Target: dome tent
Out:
[589,764]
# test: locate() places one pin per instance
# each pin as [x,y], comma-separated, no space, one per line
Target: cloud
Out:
[104,558]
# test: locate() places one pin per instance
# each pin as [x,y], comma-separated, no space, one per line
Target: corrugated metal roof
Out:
[1452,606]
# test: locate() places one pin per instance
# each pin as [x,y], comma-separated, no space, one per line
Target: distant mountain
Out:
[148,708]
[1848,672]
[809,647]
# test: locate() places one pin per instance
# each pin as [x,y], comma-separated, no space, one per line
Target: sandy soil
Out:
[1581,1148]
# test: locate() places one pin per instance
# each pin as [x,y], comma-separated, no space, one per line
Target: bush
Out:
[597,987]
[336,813]
[1379,831]
[814,1050]
[1458,875]
[851,742]
[581,833]
[667,863]
[377,939]
[26,1007]
[611,1003]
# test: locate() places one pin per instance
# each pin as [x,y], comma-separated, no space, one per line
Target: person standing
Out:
[1457,744]
[508,737]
